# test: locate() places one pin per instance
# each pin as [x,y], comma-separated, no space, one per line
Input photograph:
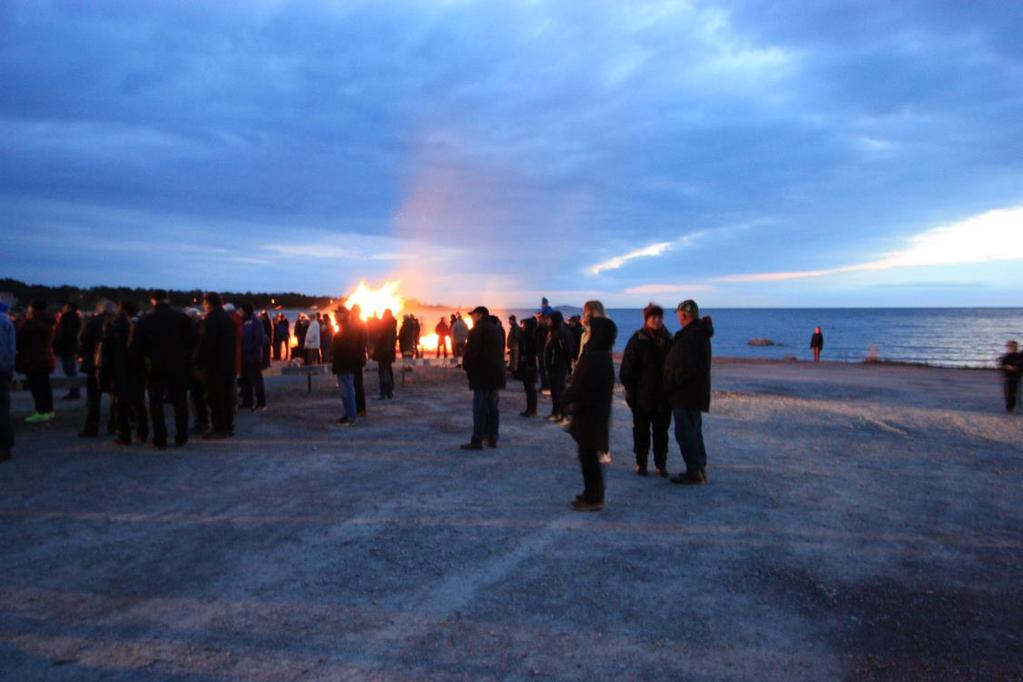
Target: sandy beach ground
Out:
[862,522]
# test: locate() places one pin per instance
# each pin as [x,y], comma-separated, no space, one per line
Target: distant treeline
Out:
[87,298]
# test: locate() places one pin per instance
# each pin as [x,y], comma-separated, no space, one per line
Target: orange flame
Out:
[376,301]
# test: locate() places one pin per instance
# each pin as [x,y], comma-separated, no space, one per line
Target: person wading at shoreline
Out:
[817,343]
[642,375]
[164,340]
[1011,365]
[589,396]
[687,383]
[215,360]
[484,365]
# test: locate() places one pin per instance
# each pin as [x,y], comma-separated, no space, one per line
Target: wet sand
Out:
[862,522]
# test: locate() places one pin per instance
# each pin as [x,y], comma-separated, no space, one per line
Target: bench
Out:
[308,371]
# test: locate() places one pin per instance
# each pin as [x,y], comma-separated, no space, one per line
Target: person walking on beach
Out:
[589,396]
[254,343]
[8,352]
[527,368]
[164,342]
[1011,365]
[642,375]
[459,334]
[557,358]
[484,365]
[348,359]
[817,343]
[35,359]
[65,347]
[383,353]
[312,342]
[215,360]
[687,383]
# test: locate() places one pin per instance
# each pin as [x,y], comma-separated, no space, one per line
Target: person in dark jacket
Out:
[589,396]
[164,342]
[1011,365]
[349,356]
[527,369]
[557,357]
[89,348]
[215,360]
[442,330]
[115,370]
[383,353]
[514,337]
[35,359]
[642,375]
[407,339]
[8,351]
[282,335]
[196,387]
[361,331]
[65,347]
[817,343]
[254,345]
[268,334]
[484,365]
[687,383]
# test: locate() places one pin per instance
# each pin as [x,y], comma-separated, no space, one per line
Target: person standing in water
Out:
[817,343]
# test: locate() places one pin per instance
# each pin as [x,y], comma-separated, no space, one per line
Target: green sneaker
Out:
[35,418]
[48,416]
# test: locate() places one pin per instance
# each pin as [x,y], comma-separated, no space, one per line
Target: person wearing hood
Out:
[557,358]
[383,353]
[36,361]
[8,351]
[642,375]
[589,396]
[484,365]
[687,383]
[528,352]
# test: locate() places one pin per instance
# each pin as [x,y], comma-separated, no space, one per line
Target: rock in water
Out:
[761,342]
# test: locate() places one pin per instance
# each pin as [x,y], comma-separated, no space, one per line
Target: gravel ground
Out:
[861,522]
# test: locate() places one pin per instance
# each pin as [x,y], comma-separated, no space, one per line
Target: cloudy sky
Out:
[745,154]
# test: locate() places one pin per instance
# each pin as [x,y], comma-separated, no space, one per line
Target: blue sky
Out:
[743,154]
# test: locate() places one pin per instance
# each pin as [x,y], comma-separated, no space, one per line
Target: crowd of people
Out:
[665,378]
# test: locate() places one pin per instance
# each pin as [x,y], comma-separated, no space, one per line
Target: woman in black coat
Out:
[589,396]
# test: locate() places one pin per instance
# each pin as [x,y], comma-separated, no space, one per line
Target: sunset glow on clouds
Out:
[505,149]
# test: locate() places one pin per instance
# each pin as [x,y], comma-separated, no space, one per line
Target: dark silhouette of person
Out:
[817,343]
[1011,365]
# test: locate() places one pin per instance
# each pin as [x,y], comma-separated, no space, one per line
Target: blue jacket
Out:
[253,342]
[8,343]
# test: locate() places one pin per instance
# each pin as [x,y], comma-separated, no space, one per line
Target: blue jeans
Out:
[689,436]
[485,416]
[346,387]
[70,367]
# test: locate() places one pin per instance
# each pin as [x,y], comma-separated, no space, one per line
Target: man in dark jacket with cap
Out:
[642,375]
[216,362]
[687,383]
[589,397]
[484,364]
[164,341]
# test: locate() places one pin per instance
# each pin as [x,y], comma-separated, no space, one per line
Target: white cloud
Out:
[618,261]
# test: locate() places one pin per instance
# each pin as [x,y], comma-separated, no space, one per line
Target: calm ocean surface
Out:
[952,337]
